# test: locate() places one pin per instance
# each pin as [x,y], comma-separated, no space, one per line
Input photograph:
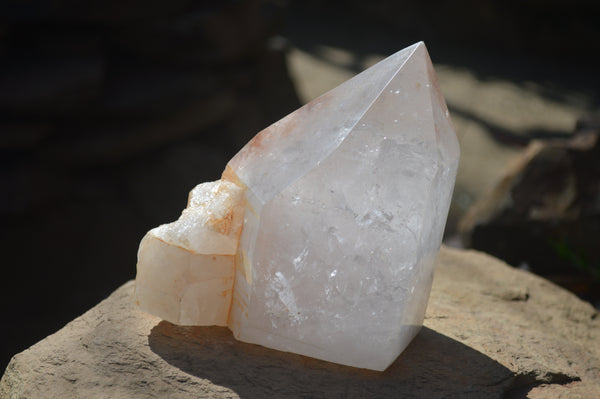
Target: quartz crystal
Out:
[320,237]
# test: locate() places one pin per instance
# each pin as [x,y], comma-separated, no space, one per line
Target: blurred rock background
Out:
[110,112]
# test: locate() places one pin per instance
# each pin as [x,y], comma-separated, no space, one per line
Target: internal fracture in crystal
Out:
[320,237]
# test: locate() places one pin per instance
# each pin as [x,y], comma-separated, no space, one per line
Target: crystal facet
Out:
[343,205]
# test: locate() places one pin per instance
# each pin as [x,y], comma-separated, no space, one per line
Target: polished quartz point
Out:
[321,236]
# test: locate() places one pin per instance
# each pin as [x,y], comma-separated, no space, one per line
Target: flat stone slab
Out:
[491,331]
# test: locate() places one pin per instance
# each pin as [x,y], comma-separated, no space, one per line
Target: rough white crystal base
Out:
[186,268]
[343,205]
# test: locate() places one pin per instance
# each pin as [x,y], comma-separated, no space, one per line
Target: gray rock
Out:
[490,331]
[544,213]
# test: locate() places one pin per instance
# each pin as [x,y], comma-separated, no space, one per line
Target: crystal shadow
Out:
[433,365]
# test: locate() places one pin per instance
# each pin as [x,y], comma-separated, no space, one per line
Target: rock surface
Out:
[545,213]
[490,331]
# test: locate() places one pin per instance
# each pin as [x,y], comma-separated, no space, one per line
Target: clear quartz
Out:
[343,205]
